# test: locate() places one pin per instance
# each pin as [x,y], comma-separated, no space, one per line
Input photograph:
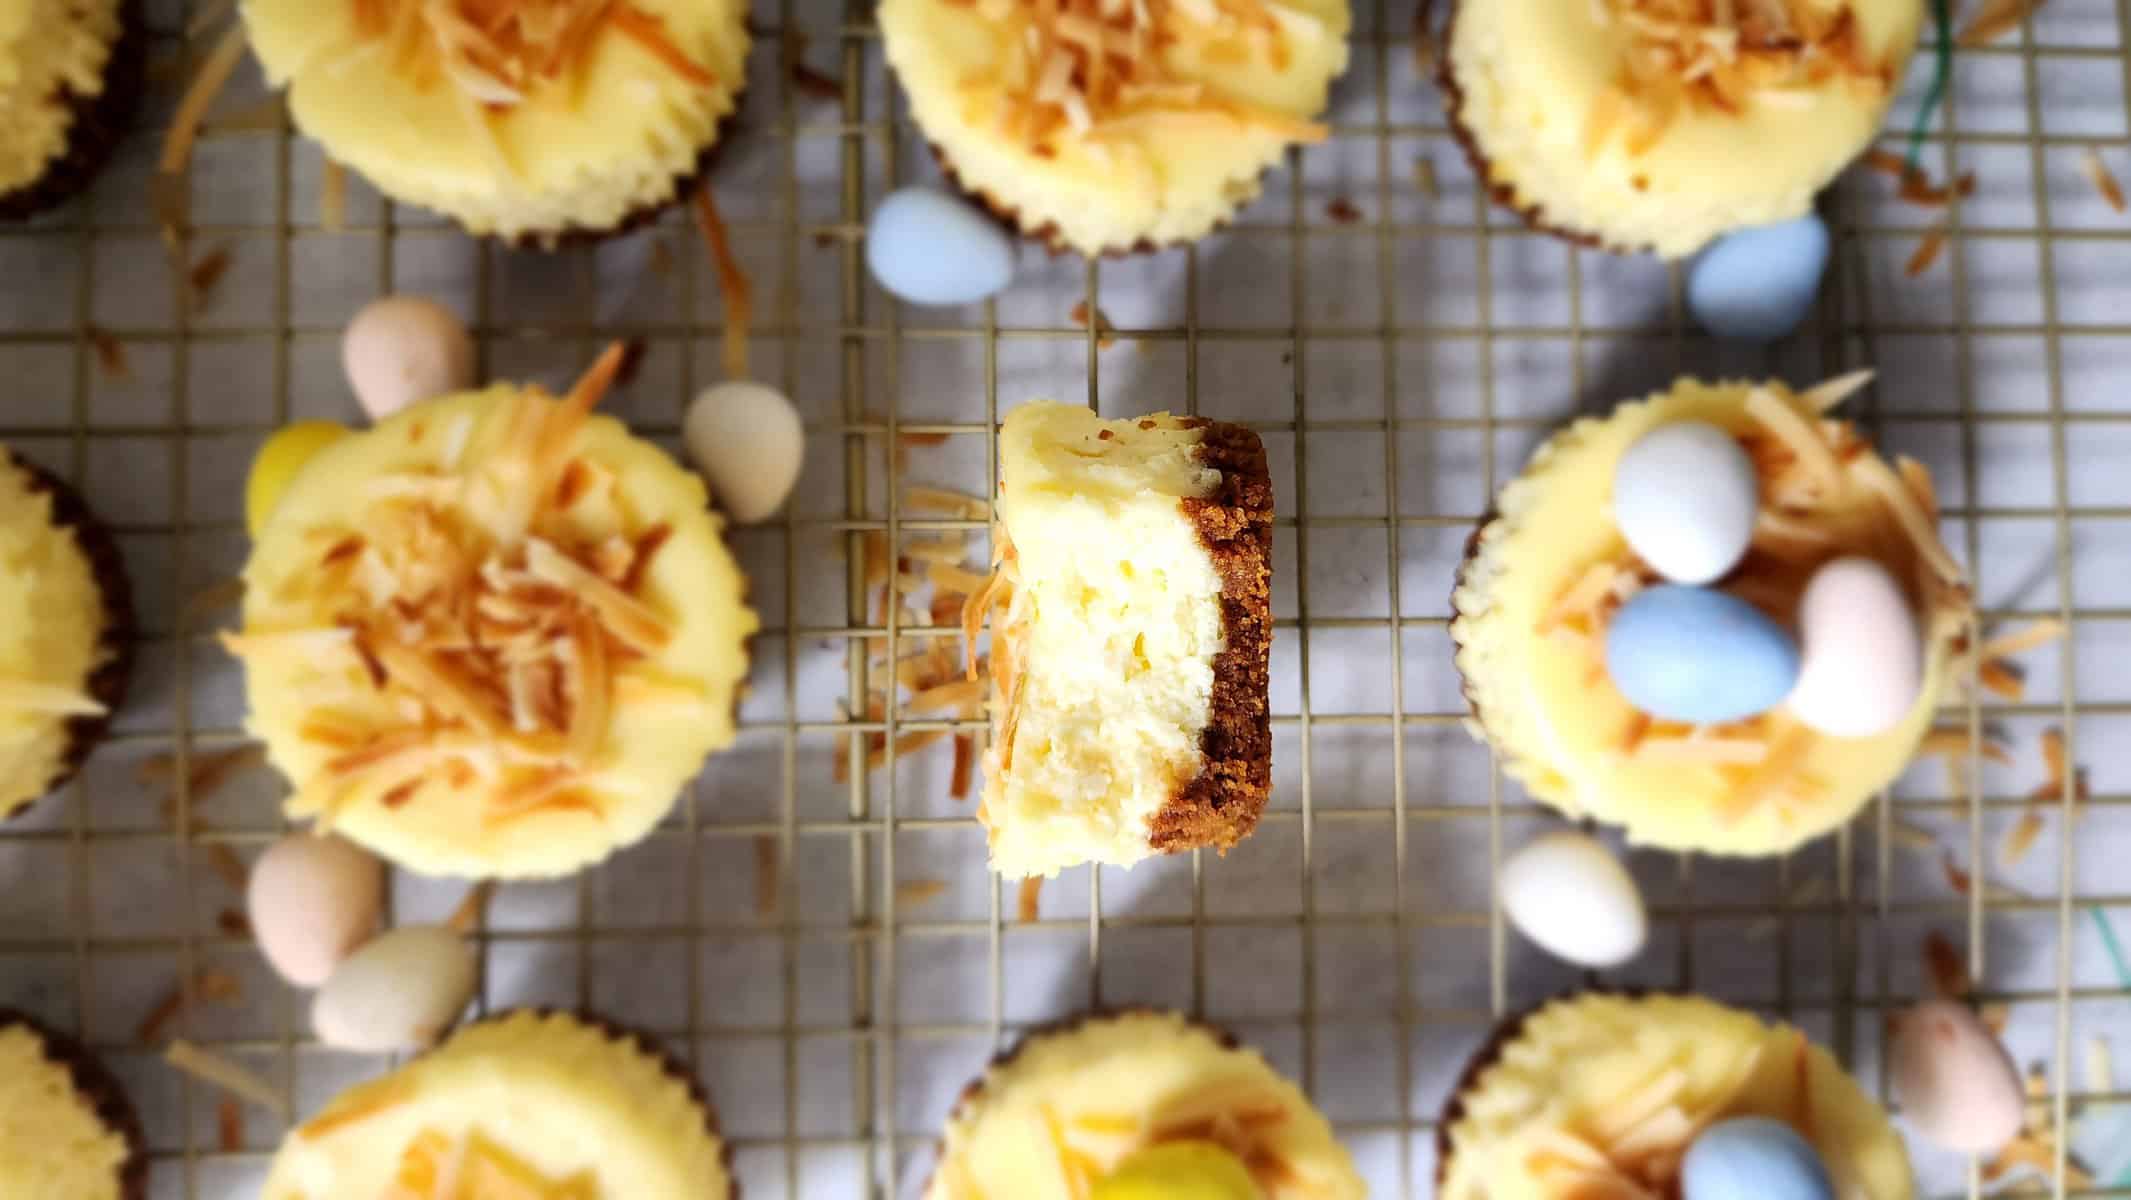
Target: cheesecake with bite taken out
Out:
[1134,562]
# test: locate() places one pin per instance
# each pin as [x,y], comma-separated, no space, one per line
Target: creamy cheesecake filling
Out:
[1660,124]
[1102,124]
[577,116]
[1067,1106]
[1104,665]
[52,1142]
[1600,1095]
[51,52]
[527,1106]
[495,635]
[51,643]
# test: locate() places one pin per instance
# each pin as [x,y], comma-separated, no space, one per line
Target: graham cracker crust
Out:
[100,1091]
[1221,805]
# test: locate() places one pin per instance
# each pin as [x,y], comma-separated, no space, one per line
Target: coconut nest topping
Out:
[1104,70]
[1633,1150]
[1824,494]
[1723,56]
[484,635]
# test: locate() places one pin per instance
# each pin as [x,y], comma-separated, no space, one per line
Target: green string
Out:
[1941,71]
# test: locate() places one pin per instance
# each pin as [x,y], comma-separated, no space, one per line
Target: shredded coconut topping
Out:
[1722,56]
[1094,69]
[499,52]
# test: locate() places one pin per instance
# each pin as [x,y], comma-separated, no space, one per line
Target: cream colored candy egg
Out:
[400,992]
[1568,893]
[1954,1081]
[1862,663]
[402,350]
[746,439]
[312,901]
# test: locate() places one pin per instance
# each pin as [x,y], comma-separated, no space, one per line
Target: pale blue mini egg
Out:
[928,247]
[1683,653]
[1753,1158]
[1758,284]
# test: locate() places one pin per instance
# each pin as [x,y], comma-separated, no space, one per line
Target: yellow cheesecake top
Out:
[50,51]
[1659,124]
[521,120]
[51,644]
[1102,124]
[1600,1091]
[1068,1106]
[525,1106]
[1551,568]
[52,1142]
[492,636]
[1103,664]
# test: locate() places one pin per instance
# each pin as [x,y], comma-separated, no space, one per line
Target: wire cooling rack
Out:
[833,956]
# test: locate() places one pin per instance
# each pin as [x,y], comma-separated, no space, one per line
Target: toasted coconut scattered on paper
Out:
[1927,252]
[472,907]
[1103,328]
[912,892]
[733,285]
[110,354]
[2028,637]
[229,1124]
[1994,19]
[1945,969]
[2104,181]
[210,985]
[227,865]
[230,1076]
[206,274]
[1028,904]
[205,773]
[234,924]
[1954,741]
[1342,211]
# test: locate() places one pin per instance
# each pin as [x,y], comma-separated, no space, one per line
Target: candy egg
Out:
[747,440]
[1685,497]
[1700,656]
[312,901]
[402,350]
[283,455]
[1183,1170]
[1953,1079]
[932,248]
[1862,661]
[1753,1158]
[1757,285]
[1568,893]
[397,993]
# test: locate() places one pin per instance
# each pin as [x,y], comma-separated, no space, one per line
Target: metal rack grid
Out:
[1398,364]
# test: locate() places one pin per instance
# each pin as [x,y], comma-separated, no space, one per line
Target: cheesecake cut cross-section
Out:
[1129,670]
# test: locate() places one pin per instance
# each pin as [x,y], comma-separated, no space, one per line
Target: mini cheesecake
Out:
[1601,1094]
[1129,706]
[494,635]
[531,122]
[525,1106]
[66,1129]
[1077,1103]
[1545,575]
[1104,126]
[1660,124]
[66,649]
[70,78]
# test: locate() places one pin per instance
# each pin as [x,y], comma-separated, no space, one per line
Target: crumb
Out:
[2104,181]
[766,881]
[229,1122]
[1031,892]
[233,924]
[1103,328]
[207,273]
[965,760]
[1927,252]
[1342,210]
[110,354]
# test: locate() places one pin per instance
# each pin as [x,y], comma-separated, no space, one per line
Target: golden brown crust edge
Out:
[1220,806]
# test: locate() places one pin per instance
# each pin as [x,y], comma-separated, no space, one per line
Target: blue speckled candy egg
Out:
[928,247]
[1691,654]
[1757,285]
[1753,1158]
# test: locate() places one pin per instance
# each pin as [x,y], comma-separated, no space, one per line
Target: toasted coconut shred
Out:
[1633,1150]
[1100,71]
[1723,56]
[484,649]
[1814,471]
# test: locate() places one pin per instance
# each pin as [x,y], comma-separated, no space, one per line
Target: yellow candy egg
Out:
[1179,1171]
[284,454]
